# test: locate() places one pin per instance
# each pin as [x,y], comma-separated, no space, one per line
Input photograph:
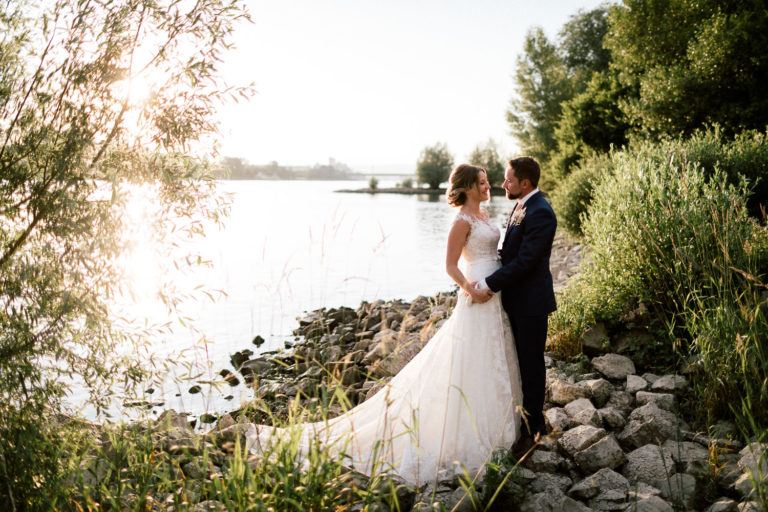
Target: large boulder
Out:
[754,459]
[603,480]
[670,384]
[600,389]
[582,412]
[663,400]
[621,401]
[635,384]
[649,464]
[579,438]
[561,392]
[614,366]
[594,340]
[650,424]
[611,418]
[557,418]
[605,453]
[542,461]
[689,457]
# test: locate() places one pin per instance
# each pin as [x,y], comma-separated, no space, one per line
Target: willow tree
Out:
[96,98]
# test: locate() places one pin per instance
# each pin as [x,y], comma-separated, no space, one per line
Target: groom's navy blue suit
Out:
[528,298]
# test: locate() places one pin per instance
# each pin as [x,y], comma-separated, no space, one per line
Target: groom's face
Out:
[512,184]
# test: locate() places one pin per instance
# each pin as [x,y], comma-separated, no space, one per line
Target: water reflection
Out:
[287,247]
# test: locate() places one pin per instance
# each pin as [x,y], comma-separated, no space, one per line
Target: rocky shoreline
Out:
[619,438]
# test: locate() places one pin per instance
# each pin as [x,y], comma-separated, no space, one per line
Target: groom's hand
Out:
[480,296]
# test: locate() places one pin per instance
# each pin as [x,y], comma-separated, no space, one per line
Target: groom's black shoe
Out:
[523,447]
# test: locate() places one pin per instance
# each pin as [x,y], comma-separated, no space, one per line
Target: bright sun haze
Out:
[372,83]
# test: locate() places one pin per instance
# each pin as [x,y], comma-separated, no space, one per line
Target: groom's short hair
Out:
[526,168]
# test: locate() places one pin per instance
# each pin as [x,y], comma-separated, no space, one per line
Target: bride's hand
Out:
[480,296]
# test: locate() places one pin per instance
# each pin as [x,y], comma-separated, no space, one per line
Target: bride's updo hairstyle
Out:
[463,178]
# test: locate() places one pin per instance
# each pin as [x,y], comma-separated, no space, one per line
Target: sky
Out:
[371,83]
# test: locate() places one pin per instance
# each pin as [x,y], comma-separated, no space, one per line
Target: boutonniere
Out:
[517,217]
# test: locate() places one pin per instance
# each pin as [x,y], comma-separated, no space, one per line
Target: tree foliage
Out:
[487,156]
[691,64]
[434,165]
[543,84]
[555,94]
[78,135]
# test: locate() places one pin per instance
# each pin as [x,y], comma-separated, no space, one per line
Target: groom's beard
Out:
[510,195]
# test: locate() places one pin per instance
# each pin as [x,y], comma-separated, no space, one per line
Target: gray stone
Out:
[638,433]
[557,418]
[561,392]
[603,480]
[643,489]
[579,438]
[611,418]
[458,501]
[650,377]
[664,424]
[722,505]
[621,401]
[650,504]
[635,384]
[582,412]
[592,341]
[754,458]
[571,505]
[547,501]
[749,506]
[546,481]
[613,499]
[689,457]
[614,366]
[680,489]
[670,384]
[542,461]
[606,453]
[743,486]
[648,464]
[587,417]
[600,389]
[663,400]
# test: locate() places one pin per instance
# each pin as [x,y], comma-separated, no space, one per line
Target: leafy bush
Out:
[572,197]
[744,156]
[678,237]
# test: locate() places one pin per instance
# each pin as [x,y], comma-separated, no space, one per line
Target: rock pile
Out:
[618,439]
[620,442]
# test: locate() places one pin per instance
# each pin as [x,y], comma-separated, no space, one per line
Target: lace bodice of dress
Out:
[483,239]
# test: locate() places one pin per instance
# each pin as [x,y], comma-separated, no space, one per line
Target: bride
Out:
[460,397]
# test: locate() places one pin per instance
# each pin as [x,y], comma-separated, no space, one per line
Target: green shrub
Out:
[574,194]
[744,156]
[678,237]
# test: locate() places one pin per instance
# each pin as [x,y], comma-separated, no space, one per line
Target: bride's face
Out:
[482,190]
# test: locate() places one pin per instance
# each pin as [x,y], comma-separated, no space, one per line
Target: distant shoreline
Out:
[407,191]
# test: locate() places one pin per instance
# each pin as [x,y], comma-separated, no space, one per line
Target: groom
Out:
[526,282]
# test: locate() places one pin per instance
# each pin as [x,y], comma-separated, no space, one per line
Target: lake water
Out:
[286,248]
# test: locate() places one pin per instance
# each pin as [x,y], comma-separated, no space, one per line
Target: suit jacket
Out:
[524,278]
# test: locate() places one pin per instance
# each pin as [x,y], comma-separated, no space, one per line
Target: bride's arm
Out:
[457,237]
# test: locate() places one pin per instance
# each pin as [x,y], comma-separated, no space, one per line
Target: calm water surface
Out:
[286,248]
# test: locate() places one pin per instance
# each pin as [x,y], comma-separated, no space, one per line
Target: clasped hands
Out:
[478,296]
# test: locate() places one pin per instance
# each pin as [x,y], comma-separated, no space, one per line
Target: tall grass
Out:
[679,239]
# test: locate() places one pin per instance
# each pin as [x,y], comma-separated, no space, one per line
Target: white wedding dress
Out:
[450,407]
